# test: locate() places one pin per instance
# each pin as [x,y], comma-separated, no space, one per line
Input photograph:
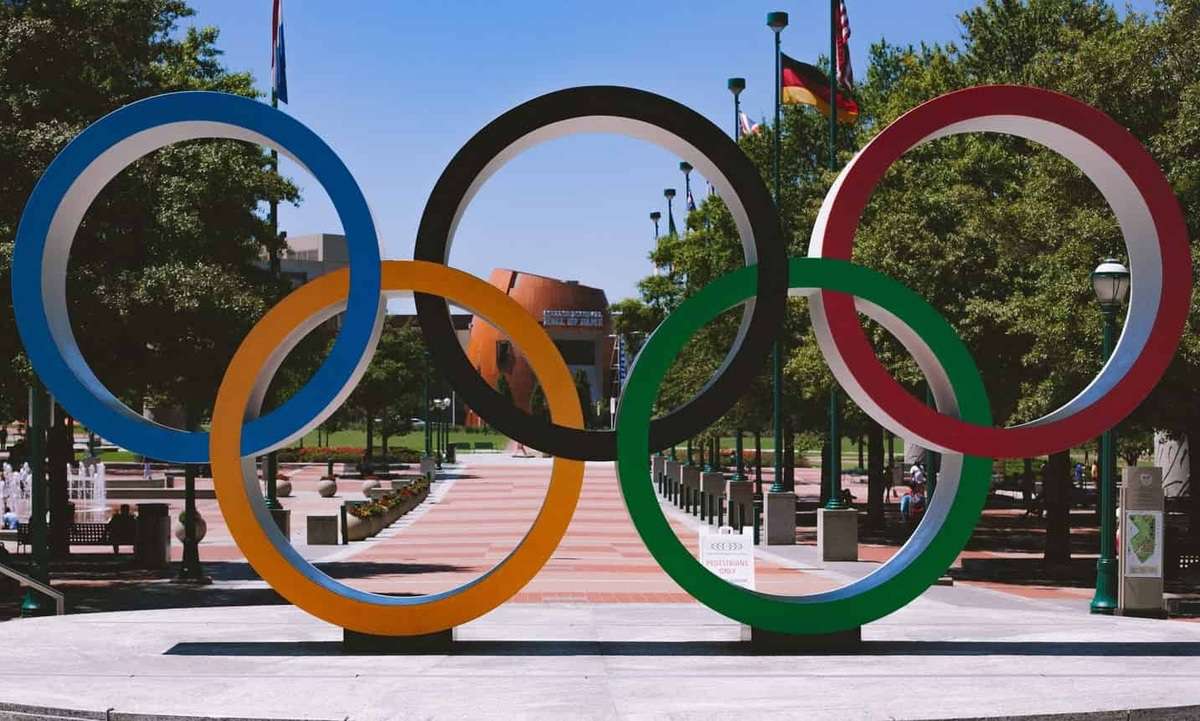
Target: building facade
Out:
[575,316]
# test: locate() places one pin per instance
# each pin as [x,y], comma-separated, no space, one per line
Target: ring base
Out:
[760,639]
[355,642]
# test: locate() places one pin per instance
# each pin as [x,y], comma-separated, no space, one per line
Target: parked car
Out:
[416,423]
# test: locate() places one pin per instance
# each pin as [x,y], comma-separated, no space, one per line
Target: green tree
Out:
[164,280]
[538,407]
[997,233]
[391,389]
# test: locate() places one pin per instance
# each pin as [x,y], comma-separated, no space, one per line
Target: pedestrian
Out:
[10,520]
[916,475]
[3,437]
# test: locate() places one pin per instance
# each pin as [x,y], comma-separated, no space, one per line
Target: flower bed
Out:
[364,520]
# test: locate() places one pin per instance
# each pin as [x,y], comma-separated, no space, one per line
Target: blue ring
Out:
[65,372]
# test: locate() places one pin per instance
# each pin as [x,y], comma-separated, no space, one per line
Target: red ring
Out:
[1024,441]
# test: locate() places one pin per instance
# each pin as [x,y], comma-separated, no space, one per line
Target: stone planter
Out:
[283,488]
[357,529]
[327,488]
[369,484]
[201,528]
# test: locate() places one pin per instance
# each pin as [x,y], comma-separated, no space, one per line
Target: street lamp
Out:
[669,194]
[777,21]
[447,404]
[1110,281]
[736,86]
[655,216]
[686,167]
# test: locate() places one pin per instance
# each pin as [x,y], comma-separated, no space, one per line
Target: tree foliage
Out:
[163,281]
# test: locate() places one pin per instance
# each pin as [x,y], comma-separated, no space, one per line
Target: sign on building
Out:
[729,555]
[573,318]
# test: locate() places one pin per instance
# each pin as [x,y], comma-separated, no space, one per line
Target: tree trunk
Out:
[875,479]
[370,436]
[1193,482]
[59,447]
[861,443]
[824,496]
[789,458]
[1056,495]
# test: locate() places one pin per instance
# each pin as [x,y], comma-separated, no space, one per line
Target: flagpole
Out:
[834,501]
[271,467]
[777,21]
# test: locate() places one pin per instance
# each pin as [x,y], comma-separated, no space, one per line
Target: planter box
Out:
[358,529]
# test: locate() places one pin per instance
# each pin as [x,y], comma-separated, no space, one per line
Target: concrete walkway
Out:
[599,661]
[601,633]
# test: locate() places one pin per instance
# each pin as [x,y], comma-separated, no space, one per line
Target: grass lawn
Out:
[357,438]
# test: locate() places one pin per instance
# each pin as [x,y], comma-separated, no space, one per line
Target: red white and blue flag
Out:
[845,72]
[278,58]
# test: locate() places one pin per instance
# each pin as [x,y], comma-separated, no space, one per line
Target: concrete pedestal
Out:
[712,485]
[355,642]
[671,471]
[773,641]
[657,465]
[283,519]
[779,518]
[428,466]
[739,494]
[690,479]
[837,534]
[322,530]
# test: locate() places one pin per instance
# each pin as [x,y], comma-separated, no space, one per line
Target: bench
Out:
[85,534]
[485,446]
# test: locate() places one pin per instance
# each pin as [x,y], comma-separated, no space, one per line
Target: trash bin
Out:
[152,544]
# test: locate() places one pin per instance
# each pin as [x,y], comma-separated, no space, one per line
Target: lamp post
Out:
[777,21]
[669,194]
[35,443]
[425,395]
[736,86]
[1110,281]
[444,406]
[654,217]
[686,168]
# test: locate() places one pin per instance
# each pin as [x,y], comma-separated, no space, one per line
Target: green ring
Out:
[911,570]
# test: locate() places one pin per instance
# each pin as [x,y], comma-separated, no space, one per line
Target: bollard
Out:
[721,512]
[757,521]
[736,521]
[703,505]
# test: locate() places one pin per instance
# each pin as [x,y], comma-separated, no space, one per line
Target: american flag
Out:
[746,126]
[844,71]
[278,59]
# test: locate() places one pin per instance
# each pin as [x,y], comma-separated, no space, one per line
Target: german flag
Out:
[805,84]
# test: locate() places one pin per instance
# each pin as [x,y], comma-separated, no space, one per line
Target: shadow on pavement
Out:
[709,648]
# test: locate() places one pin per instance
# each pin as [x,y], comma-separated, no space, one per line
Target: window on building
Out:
[577,352]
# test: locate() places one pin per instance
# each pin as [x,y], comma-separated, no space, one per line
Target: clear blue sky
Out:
[397,87]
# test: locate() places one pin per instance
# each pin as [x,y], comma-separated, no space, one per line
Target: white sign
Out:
[729,555]
[1142,544]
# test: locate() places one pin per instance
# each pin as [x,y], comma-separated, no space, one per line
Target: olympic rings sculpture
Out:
[1148,213]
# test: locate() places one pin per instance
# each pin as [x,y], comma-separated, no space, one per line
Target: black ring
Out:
[661,121]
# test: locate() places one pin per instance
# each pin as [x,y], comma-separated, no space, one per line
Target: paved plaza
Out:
[601,632]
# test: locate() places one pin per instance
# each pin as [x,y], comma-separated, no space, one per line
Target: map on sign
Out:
[1143,536]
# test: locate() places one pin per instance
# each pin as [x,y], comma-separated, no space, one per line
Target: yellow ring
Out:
[271,554]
